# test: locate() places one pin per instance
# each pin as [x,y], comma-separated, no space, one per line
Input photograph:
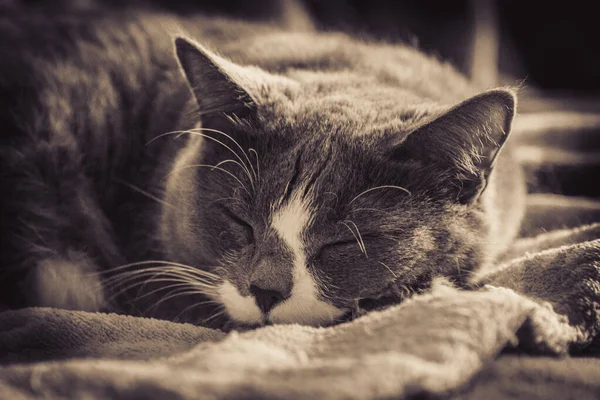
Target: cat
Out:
[202,169]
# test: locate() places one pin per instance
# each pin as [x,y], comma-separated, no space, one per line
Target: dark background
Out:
[553,45]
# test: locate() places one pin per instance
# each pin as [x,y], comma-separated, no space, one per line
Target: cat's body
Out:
[290,221]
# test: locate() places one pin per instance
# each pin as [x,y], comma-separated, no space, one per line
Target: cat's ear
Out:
[217,83]
[464,141]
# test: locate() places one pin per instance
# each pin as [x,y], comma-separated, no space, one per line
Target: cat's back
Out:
[99,83]
[104,59]
[395,65]
[116,60]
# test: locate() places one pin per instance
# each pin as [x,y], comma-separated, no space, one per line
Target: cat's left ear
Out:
[464,141]
[217,83]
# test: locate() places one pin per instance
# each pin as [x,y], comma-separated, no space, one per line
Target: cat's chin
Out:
[344,315]
[361,308]
[243,327]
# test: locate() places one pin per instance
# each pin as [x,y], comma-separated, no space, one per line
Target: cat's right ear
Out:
[463,142]
[215,82]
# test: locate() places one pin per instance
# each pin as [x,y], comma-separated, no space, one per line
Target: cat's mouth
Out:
[369,304]
[360,308]
[372,304]
[366,305]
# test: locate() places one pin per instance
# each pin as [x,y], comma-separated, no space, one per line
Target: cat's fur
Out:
[357,170]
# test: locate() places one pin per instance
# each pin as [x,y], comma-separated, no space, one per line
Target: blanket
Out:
[515,334]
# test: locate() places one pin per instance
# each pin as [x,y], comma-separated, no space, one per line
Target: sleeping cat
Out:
[190,168]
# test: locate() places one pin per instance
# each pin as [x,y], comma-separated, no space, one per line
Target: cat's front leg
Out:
[566,277]
[55,233]
[69,282]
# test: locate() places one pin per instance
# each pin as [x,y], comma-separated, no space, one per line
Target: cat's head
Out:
[306,205]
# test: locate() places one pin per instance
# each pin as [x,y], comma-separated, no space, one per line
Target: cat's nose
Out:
[266,298]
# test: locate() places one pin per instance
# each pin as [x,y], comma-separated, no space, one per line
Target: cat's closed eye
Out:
[344,246]
[240,230]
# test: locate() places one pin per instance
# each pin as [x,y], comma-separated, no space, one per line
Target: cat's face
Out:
[304,219]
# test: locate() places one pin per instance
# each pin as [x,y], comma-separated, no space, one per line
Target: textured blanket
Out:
[539,304]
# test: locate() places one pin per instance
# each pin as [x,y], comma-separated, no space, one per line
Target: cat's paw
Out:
[68,283]
[570,282]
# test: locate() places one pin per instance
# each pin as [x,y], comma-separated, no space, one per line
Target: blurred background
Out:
[551,45]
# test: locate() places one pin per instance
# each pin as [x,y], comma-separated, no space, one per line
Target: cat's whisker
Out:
[173,293]
[337,199]
[330,285]
[257,162]
[458,269]
[139,277]
[197,272]
[39,248]
[236,143]
[178,133]
[389,269]
[198,276]
[161,262]
[153,278]
[161,269]
[173,275]
[325,295]
[216,315]
[401,291]
[140,296]
[133,275]
[225,198]
[205,321]
[194,305]
[351,231]
[327,280]
[142,191]
[362,242]
[199,132]
[180,292]
[357,237]
[118,293]
[33,229]
[170,287]
[127,276]
[381,187]
[217,166]
[369,209]
[212,167]
[225,162]
[221,270]
[324,282]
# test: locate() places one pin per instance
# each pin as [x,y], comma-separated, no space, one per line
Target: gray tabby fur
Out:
[328,118]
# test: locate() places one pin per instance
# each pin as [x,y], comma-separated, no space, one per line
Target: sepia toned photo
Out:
[299,199]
